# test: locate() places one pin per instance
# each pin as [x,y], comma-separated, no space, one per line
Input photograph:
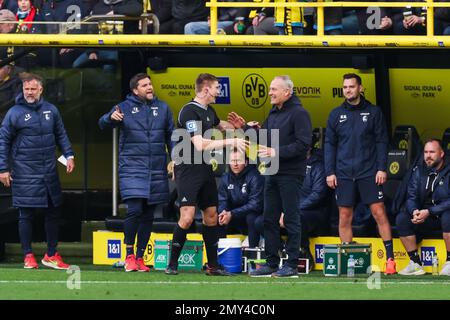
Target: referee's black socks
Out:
[179,238]
[211,238]
[414,257]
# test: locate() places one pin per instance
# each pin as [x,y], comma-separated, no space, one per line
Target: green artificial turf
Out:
[100,282]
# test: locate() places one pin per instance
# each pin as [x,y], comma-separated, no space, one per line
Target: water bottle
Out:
[240,25]
[118,264]
[351,267]
[435,264]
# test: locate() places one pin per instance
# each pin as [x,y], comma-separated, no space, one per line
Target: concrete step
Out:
[88,227]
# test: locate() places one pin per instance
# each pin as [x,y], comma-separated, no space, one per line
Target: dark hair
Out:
[353,76]
[27,77]
[136,78]
[202,79]
[439,141]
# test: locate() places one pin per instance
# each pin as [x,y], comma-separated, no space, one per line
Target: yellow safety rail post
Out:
[320,20]
[430,18]
[213,17]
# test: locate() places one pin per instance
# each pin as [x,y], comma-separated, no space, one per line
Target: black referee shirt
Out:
[196,119]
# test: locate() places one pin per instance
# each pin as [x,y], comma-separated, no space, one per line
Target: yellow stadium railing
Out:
[218,40]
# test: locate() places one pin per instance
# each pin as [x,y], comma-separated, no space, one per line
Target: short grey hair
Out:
[288,83]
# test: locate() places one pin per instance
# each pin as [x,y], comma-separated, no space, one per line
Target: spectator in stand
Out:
[10,86]
[129,8]
[23,57]
[333,21]
[109,58]
[69,13]
[226,17]
[289,20]
[25,16]
[163,10]
[7,15]
[185,11]
[442,20]
[410,20]
[10,5]
[263,21]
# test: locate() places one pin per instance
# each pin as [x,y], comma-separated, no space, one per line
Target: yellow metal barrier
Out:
[213,40]
[54,40]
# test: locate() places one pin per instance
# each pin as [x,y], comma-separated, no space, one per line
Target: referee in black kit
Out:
[194,177]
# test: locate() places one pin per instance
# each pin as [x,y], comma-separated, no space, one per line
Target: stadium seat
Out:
[446,144]
[396,169]
[406,137]
[318,139]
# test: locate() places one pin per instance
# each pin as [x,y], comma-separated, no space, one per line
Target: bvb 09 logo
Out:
[394,167]
[254,90]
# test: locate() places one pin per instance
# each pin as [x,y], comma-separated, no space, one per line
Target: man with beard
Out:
[146,126]
[427,206]
[355,161]
[30,133]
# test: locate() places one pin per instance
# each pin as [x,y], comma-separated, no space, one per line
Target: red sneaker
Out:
[130,263]
[55,262]
[390,267]
[30,262]
[141,265]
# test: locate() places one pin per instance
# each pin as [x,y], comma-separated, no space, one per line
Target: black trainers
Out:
[171,271]
[217,271]
[286,272]
[264,271]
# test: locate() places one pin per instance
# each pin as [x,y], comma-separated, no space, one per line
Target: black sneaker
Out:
[171,271]
[286,272]
[217,271]
[264,271]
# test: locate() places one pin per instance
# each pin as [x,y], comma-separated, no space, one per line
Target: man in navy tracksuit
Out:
[314,201]
[241,197]
[146,127]
[28,137]
[282,190]
[355,161]
[427,206]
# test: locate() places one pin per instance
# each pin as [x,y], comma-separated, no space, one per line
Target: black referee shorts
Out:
[196,185]
[347,191]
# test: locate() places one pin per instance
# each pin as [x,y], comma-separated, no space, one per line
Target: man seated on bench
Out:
[241,198]
[427,206]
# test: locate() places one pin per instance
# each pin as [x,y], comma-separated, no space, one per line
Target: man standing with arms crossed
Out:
[355,161]
[196,184]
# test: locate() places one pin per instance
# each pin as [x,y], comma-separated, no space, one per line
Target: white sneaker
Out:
[261,243]
[245,243]
[445,270]
[413,269]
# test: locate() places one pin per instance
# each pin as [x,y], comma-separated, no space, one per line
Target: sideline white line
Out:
[224,283]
